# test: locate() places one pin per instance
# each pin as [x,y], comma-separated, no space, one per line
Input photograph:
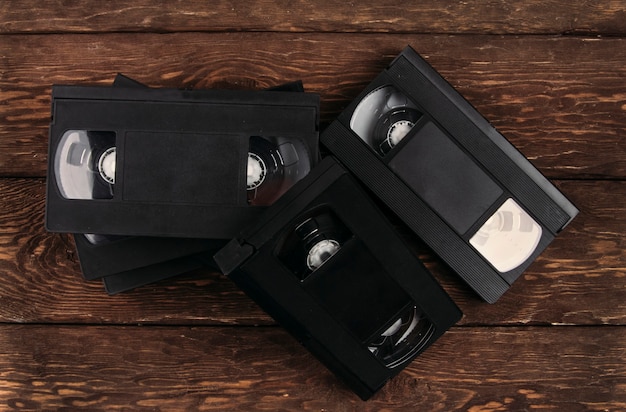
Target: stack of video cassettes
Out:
[158,182]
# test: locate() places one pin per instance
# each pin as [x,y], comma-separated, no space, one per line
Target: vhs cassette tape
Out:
[326,264]
[179,163]
[467,192]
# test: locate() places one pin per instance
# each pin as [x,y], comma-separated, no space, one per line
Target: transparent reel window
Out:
[274,164]
[383,118]
[85,163]
[312,242]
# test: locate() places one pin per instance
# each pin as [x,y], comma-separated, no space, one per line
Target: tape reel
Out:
[264,172]
[313,241]
[320,240]
[383,118]
[85,163]
[273,166]
[406,336]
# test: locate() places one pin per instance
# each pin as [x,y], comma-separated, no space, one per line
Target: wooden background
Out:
[550,75]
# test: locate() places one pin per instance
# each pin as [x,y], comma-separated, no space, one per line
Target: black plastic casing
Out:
[171,144]
[486,161]
[353,295]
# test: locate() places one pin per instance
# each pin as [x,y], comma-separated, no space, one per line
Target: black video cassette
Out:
[467,192]
[169,162]
[326,264]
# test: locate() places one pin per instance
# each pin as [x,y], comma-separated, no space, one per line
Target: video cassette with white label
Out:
[449,175]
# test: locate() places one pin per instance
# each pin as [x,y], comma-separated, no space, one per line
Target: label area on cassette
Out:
[326,264]
[165,162]
[449,175]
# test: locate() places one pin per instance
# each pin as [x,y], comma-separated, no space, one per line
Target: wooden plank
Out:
[243,369]
[561,101]
[431,16]
[41,281]
[578,280]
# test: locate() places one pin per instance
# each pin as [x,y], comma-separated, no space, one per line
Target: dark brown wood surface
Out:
[243,369]
[335,16]
[551,76]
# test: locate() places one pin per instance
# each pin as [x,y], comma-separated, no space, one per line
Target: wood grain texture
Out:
[568,284]
[561,101]
[245,369]
[430,16]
